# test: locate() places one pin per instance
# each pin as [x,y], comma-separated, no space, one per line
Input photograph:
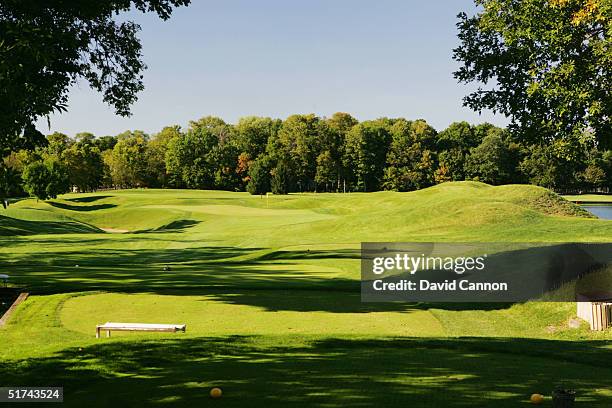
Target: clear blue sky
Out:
[235,58]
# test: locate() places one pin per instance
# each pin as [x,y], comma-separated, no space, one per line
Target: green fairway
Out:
[590,198]
[269,290]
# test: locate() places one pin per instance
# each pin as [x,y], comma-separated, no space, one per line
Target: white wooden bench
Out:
[147,327]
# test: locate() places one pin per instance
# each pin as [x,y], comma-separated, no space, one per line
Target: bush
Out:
[45,180]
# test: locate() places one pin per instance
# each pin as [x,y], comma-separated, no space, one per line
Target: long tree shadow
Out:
[331,300]
[71,207]
[270,372]
[241,276]
[334,301]
[14,227]
[281,280]
[313,254]
[89,199]
[172,227]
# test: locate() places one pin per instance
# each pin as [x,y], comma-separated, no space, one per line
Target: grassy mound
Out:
[458,203]
[18,226]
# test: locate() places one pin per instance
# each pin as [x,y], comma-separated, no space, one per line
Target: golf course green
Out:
[268,287]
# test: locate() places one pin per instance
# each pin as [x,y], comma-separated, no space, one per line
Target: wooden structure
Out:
[146,327]
[596,309]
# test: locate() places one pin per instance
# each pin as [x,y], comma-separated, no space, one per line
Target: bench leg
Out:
[97,332]
[108,333]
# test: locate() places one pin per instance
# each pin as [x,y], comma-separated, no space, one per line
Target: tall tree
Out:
[188,159]
[453,147]
[299,138]
[156,155]
[411,157]
[546,64]
[128,161]
[58,142]
[35,180]
[556,165]
[45,179]
[105,142]
[282,178]
[365,154]
[84,164]
[327,170]
[253,132]
[495,160]
[252,136]
[330,166]
[259,176]
[224,156]
[11,173]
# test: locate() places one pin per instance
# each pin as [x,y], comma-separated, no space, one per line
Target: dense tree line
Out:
[548,72]
[305,153]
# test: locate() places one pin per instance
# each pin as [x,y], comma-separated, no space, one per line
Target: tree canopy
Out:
[46,46]
[545,64]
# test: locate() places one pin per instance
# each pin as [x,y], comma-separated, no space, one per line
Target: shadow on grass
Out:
[242,276]
[90,199]
[331,301]
[280,371]
[71,207]
[314,254]
[334,301]
[12,226]
[275,281]
[174,226]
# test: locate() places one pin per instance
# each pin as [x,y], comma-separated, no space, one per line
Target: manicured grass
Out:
[258,312]
[269,290]
[276,371]
[590,198]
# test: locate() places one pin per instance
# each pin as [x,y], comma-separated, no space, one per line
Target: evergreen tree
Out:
[259,177]
[281,182]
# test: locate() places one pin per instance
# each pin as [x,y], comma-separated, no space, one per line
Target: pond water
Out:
[602,211]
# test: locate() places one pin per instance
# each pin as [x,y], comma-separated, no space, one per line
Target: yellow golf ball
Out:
[216,392]
[537,399]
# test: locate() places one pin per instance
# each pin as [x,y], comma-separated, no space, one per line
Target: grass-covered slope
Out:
[223,239]
[147,210]
[269,289]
